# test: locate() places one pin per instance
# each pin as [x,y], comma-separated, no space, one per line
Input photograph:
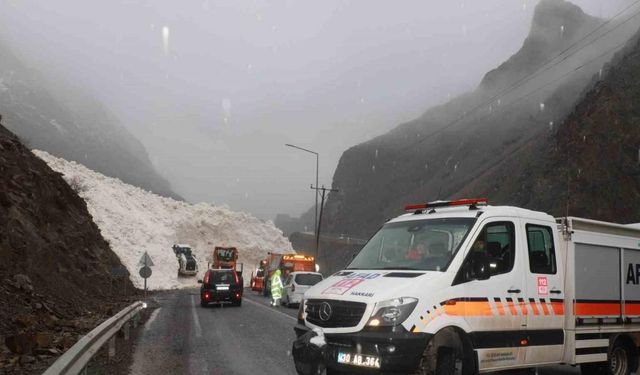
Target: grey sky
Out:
[239,79]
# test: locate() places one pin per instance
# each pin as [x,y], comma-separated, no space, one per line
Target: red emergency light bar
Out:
[437,204]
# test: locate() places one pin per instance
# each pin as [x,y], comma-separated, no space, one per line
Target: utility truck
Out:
[225,257]
[461,287]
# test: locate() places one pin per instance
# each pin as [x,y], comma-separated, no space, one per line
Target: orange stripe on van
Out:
[557,306]
[594,308]
[534,306]
[512,308]
[545,308]
[499,306]
[632,308]
[523,306]
[467,308]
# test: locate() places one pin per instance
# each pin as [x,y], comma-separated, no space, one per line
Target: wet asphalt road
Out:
[184,338]
[181,337]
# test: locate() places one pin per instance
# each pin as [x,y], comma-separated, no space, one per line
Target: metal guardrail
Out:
[75,360]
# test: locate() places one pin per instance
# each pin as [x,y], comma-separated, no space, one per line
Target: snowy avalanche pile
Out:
[135,221]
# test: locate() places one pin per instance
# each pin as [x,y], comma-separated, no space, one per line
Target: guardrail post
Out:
[112,347]
[125,330]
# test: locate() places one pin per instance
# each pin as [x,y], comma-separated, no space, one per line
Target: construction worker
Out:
[276,288]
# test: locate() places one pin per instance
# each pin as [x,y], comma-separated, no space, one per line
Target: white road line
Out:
[196,320]
[270,309]
[152,318]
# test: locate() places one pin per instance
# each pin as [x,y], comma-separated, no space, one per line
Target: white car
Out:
[296,284]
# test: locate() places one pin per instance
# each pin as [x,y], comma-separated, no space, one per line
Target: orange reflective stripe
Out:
[468,308]
[512,308]
[632,308]
[534,306]
[545,308]
[558,307]
[523,306]
[499,306]
[598,308]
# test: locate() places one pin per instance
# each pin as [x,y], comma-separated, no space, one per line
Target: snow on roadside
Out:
[135,221]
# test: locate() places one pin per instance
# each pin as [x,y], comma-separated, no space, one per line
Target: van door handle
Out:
[555,291]
[513,291]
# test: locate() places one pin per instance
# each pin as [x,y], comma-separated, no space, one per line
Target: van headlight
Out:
[301,313]
[392,312]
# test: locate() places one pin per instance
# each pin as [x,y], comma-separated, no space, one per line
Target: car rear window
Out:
[308,279]
[222,277]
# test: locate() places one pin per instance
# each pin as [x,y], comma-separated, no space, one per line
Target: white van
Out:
[460,287]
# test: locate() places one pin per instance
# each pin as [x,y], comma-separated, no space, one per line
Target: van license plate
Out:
[360,360]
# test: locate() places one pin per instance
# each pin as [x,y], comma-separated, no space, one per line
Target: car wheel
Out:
[203,304]
[237,303]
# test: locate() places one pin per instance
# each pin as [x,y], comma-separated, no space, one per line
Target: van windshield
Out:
[414,245]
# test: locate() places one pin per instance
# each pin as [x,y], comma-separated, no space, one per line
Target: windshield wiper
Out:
[401,268]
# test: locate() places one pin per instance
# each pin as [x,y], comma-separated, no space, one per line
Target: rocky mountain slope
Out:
[56,267]
[589,166]
[452,145]
[135,221]
[72,125]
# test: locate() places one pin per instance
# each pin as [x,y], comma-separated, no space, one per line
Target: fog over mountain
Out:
[455,146]
[214,89]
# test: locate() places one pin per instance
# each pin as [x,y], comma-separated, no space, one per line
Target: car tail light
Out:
[293,287]
[237,295]
[206,295]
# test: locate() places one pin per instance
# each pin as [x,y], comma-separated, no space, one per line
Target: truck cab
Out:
[459,287]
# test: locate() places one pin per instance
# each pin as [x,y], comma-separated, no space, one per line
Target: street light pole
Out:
[315,217]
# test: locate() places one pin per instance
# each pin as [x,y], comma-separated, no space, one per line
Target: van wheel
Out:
[621,359]
[447,354]
[448,362]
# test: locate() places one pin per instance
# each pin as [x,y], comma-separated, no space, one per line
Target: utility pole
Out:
[324,191]
[315,217]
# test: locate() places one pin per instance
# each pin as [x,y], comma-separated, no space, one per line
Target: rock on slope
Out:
[135,221]
[437,155]
[589,166]
[54,264]
[70,124]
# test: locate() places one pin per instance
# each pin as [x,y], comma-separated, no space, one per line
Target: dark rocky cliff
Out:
[55,267]
[453,146]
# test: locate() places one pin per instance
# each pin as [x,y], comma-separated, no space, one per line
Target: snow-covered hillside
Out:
[135,221]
